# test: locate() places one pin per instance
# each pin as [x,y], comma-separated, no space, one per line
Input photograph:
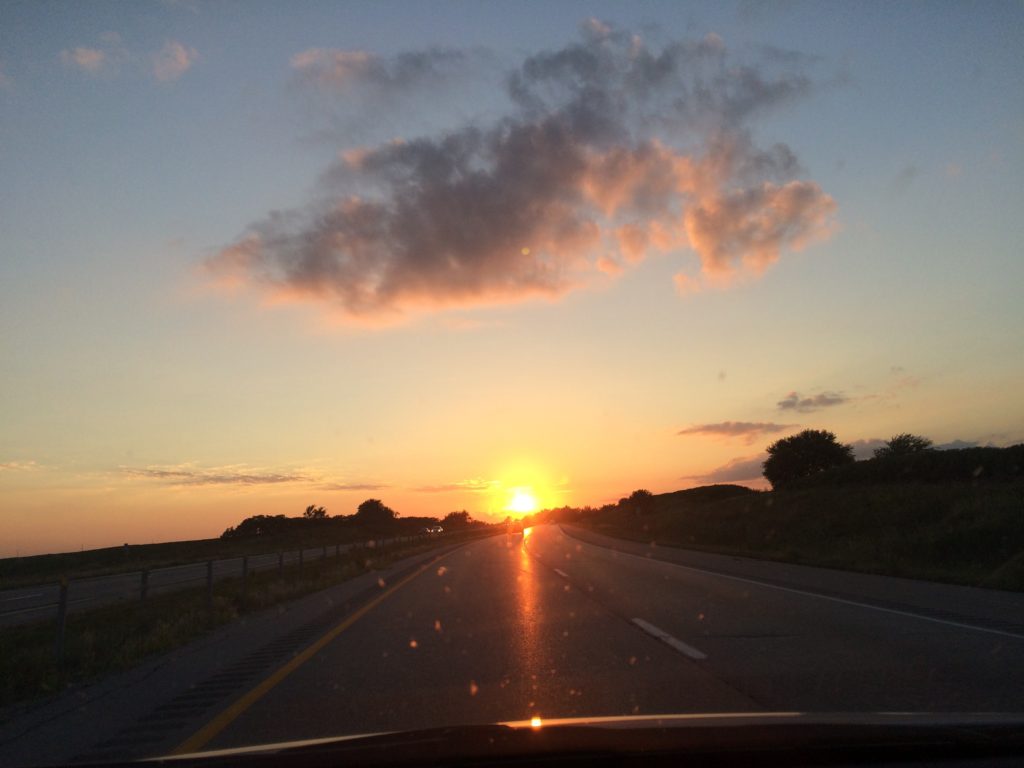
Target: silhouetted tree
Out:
[640,502]
[903,444]
[802,455]
[456,520]
[314,513]
[260,525]
[373,512]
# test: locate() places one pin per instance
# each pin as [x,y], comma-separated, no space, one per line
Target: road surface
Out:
[549,625]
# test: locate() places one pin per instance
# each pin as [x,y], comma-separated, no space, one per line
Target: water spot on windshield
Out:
[473,688]
[442,571]
[437,625]
[413,643]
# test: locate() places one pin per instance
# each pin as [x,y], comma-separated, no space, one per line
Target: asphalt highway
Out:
[550,624]
[510,628]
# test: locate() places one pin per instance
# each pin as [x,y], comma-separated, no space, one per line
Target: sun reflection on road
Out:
[528,617]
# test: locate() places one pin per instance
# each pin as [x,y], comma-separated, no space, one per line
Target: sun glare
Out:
[523,501]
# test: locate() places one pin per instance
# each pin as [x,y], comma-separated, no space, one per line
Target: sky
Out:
[255,256]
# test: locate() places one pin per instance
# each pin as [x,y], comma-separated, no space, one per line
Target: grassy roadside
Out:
[958,533]
[118,637]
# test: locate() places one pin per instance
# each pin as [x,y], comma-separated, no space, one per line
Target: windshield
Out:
[371,367]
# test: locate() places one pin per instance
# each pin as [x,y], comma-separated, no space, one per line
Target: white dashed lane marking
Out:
[667,639]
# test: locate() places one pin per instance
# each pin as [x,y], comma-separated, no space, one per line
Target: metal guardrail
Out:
[58,600]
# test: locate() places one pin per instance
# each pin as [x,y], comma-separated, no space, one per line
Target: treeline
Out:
[926,466]
[815,458]
[371,517]
[640,503]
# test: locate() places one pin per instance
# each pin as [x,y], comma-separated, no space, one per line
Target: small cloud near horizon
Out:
[215,476]
[18,466]
[476,485]
[354,486]
[794,402]
[740,469]
[748,430]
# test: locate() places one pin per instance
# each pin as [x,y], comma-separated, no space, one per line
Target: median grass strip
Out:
[118,637]
[960,533]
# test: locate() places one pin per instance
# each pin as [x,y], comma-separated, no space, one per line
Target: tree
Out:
[902,445]
[640,502]
[456,520]
[802,455]
[373,512]
[314,513]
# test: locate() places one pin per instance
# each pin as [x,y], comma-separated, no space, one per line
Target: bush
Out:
[808,453]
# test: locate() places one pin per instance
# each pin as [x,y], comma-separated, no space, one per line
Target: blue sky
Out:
[140,143]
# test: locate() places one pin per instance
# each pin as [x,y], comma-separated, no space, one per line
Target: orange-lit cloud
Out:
[747,430]
[215,476]
[612,151]
[478,485]
[173,60]
[89,60]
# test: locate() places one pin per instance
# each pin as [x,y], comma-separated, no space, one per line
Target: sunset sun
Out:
[523,501]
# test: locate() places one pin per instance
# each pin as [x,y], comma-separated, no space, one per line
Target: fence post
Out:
[209,584]
[337,549]
[245,575]
[302,554]
[324,554]
[144,588]
[62,620]
[280,564]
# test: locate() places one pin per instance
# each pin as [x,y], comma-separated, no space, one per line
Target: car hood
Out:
[801,735]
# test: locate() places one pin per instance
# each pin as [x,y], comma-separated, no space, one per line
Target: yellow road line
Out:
[204,735]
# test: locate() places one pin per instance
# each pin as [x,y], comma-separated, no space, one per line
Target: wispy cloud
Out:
[18,466]
[740,469]
[748,430]
[476,485]
[212,476]
[172,61]
[612,150]
[348,69]
[90,60]
[110,56]
[795,402]
[354,486]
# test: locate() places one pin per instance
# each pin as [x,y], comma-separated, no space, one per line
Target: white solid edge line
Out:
[765,584]
[665,637]
[562,573]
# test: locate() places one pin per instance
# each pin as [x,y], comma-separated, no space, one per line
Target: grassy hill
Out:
[958,532]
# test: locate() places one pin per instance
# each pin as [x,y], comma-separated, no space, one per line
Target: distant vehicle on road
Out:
[433,530]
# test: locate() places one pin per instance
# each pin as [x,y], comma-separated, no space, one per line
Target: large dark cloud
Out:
[612,150]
